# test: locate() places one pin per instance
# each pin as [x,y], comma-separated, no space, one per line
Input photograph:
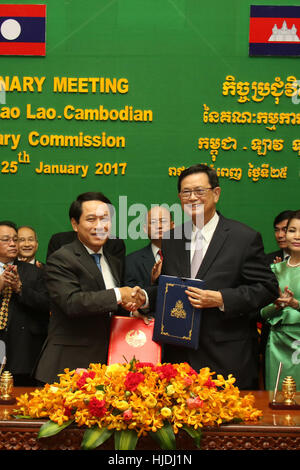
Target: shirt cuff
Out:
[146,304]
[118,295]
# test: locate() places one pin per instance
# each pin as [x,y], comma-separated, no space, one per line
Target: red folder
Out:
[131,337]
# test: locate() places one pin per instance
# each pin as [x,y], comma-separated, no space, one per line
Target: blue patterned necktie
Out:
[96,257]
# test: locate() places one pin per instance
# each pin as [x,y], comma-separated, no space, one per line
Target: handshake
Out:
[133,298]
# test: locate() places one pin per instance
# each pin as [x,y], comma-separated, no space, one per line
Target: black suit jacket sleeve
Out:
[75,284]
[34,293]
[256,282]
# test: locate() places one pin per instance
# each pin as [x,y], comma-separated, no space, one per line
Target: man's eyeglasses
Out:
[199,192]
[9,239]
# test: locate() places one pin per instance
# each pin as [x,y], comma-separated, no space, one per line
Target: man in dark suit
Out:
[144,265]
[83,292]
[279,224]
[23,326]
[237,280]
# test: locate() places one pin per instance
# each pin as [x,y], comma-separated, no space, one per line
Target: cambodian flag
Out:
[274,31]
[23,30]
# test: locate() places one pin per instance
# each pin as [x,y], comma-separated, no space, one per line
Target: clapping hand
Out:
[155,272]
[11,278]
[286,299]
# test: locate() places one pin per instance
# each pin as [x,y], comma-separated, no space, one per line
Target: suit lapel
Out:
[220,235]
[88,263]
[148,259]
[114,266]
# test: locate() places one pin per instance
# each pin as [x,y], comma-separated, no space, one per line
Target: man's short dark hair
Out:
[199,168]
[8,223]
[284,215]
[75,210]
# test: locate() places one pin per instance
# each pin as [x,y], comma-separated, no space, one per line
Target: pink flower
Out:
[188,381]
[127,415]
[194,403]
[79,370]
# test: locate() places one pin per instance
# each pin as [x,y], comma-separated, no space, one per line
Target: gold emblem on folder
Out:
[178,311]
[136,338]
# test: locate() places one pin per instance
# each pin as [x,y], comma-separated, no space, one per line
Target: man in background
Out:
[142,267]
[28,245]
[24,312]
[280,224]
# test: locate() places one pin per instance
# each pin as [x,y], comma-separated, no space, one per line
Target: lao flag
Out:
[23,30]
[274,31]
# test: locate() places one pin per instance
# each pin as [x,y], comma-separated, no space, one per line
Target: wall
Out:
[170,60]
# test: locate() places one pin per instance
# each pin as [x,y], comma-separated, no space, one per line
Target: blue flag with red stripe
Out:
[23,30]
[274,30]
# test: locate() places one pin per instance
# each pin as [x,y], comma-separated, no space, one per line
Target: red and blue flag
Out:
[274,31]
[23,30]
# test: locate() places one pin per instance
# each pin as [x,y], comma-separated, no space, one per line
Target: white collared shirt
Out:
[109,280]
[155,251]
[206,232]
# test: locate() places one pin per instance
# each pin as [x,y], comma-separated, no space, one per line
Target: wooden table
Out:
[276,430]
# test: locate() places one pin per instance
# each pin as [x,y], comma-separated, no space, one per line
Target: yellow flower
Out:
[122,405]
[170,390]
[150,402]
[114,370]
[166,412]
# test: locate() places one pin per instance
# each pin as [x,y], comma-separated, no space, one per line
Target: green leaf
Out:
[165,437]
[94,437]
[196,434]
[126,440]
[51,428]
[22,416]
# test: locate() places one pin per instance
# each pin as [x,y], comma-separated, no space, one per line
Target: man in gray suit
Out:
[83,292]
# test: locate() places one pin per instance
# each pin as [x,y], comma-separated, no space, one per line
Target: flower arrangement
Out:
[136,399]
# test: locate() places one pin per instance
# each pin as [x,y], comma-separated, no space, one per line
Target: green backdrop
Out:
[174,57]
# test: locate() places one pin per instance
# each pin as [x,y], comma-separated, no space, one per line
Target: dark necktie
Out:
[96,257]
[160,254]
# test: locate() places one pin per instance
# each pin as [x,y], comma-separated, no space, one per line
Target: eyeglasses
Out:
[9,239]
[199,192]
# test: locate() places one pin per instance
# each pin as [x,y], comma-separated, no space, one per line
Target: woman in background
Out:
[283,316]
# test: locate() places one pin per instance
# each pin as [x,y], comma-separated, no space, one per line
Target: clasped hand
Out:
[10,278]
[286,299]
[132,297]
